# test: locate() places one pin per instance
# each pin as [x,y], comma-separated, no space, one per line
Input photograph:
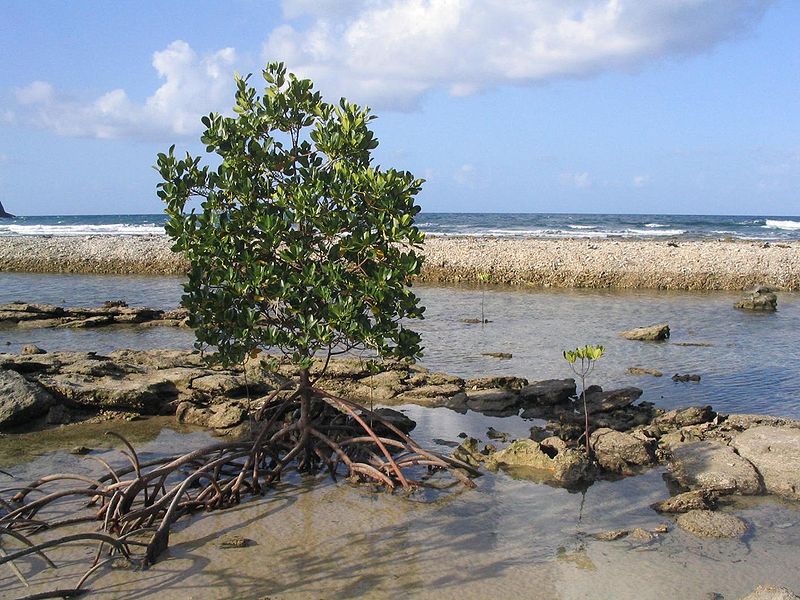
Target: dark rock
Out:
[775,453]
[493,434]
[693,500]
[612,400]
[80,450]
[619,452]
[494,382]
[469,452]
[494,402]
[685,378]
[21,400]
[762,299]
[713,466]
[548,392]
[706,523]
[58,415]
[651,333]
[396,418]
[4,214]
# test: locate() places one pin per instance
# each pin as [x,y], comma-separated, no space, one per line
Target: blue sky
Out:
[628,106]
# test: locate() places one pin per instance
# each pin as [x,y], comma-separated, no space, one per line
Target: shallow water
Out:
[750,365]
[508,538]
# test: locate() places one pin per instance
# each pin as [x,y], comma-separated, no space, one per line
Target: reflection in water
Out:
[748,366]
[312,538]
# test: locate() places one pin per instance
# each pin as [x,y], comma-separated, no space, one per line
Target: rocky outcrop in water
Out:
[651,333]
[762,299]
[27,315]
[4,214]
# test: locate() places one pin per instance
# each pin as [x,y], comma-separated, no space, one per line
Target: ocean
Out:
[520,225]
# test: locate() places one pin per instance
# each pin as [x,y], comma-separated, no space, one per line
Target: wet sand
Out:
[561,263]
[509,538]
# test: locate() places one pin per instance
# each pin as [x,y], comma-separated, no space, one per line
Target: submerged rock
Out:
[771,592]
[644,371]
[706,523]
[652,333]
[566,467]
[685,378]
[775,453]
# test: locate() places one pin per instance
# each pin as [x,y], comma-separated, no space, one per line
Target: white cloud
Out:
[640,181]
[578,180]
[465,175]
[193,86]
[390,52]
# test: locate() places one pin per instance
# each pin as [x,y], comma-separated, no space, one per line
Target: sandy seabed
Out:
[563,263]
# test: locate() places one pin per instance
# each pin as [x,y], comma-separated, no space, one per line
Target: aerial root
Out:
[135,506]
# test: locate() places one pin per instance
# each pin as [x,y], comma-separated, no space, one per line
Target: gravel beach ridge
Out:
[597,263]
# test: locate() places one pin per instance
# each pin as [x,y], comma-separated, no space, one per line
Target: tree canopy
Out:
[301,244]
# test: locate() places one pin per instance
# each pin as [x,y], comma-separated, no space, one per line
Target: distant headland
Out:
[4,214]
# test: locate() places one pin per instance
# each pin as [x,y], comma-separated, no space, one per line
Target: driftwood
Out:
[135,507]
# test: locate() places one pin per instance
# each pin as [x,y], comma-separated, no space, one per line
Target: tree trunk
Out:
[306,460]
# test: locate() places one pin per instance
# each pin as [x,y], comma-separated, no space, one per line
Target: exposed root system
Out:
[135,507]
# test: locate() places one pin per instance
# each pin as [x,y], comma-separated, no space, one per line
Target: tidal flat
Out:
[513,537]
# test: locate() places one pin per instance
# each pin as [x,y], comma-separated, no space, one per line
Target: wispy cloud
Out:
[578,180]
[465,175]
[639,181]
[193,85]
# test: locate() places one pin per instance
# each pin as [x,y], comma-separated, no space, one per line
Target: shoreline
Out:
[558,263]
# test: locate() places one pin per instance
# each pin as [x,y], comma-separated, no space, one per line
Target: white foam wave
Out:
[83,229]
[581,226]
[654,225]
[562,233]
[790,225]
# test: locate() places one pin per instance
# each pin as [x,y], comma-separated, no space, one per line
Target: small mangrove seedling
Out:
[588,356]
[483,279]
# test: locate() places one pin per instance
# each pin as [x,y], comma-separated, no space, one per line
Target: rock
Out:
[651,333]
[21,400]
[431,395]
[500,355]
[88,323]
[610,536]
[396,418]
[642,535]
[706,523]
[693,500]
[548,392]
[469,452]
[228,385]
[771,592]
[501,381]
[226,416]
[498,402]
[493,434]
[567,467]
[775,453]
[713,466]
[762,299]
[32,349]
[619,452]
[233,541]
[685,378]
[644,371]
[58,415]
[611,400]
[4,214]
[683,417]
[80,450]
